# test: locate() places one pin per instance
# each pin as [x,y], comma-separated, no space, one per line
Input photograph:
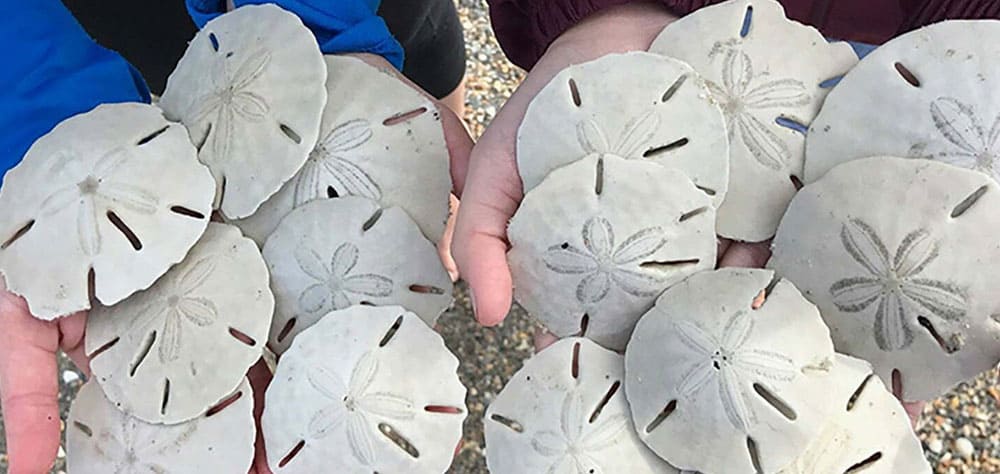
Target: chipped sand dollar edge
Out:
[604,111]
[586,264]
[333,253]
[766,154]
[268,104]
[375,379]
[140,349]
[90,222]
[746,383]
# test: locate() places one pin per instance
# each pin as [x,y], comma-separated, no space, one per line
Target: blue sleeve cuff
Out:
[54,71]
[340,26]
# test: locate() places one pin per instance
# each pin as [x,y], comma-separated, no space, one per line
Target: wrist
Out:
[615,29]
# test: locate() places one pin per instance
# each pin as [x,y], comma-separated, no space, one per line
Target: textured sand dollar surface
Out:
[868,432]
[748,375]
[117,191]
[366,389]
[100,438]
[635,105]
[565,411]
[768,74]
[599,239]
[905,287]
[334,253]
[250,90]
[381,139]
[927,94]
[167,354]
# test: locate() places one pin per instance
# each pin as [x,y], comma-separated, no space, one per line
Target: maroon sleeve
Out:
[525,28]
[933,11]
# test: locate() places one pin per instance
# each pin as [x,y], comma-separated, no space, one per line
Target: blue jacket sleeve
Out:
[54,70]
[340,26]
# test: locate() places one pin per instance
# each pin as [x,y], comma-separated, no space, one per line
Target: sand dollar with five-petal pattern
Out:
[749,371]
[770,76]
[596,242]
[166,354]
[334,253]
[901,286]
[250,90]
[116,192]
[366,389]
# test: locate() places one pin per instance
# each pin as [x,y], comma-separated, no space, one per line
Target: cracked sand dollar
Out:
[365,389]
[927,94]
[380,139]
[334,253]
[905,287]
[635,105]
[868,432]
[599,239]
[116,192]
[100,438]
[167,354]
[565,412]
[748,378]
[250,90]
[770,76]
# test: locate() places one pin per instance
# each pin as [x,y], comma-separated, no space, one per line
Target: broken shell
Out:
[365,389]
[565,411]
[334,253]
[250,90]
[927,94]
[868,432]
[901,286]
[748,377]
[635,105]
[380,139]
[167,354]
[599,239]
[100,438]
[770,76]
[116,192]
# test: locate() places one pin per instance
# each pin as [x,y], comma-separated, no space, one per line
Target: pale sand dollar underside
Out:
[117,191]
[250,90]
[930,93]
[747,378]
[101,439]
[380,139]
[565,411]
[636,106]
[167,354]
[366,389]
[767,73]
[868,432]
[334,253]
[599,239]
[897,254]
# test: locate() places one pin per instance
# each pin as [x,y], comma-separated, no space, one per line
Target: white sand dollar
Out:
[102,439]
[250,90]
[766,72]
[868,432]
[365,389]
[599,239]
[565,411]
[167,354]
[117,191]
[381,139]
[635,105]
[896,254]
[930,93]
[748,376]
[334,253]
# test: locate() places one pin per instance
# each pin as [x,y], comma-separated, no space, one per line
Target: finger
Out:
[543,339]
[722,246]
[444,245]
[71,331]
[914,410]
[260,378]
[746,255]
[28,387]
[459,142]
